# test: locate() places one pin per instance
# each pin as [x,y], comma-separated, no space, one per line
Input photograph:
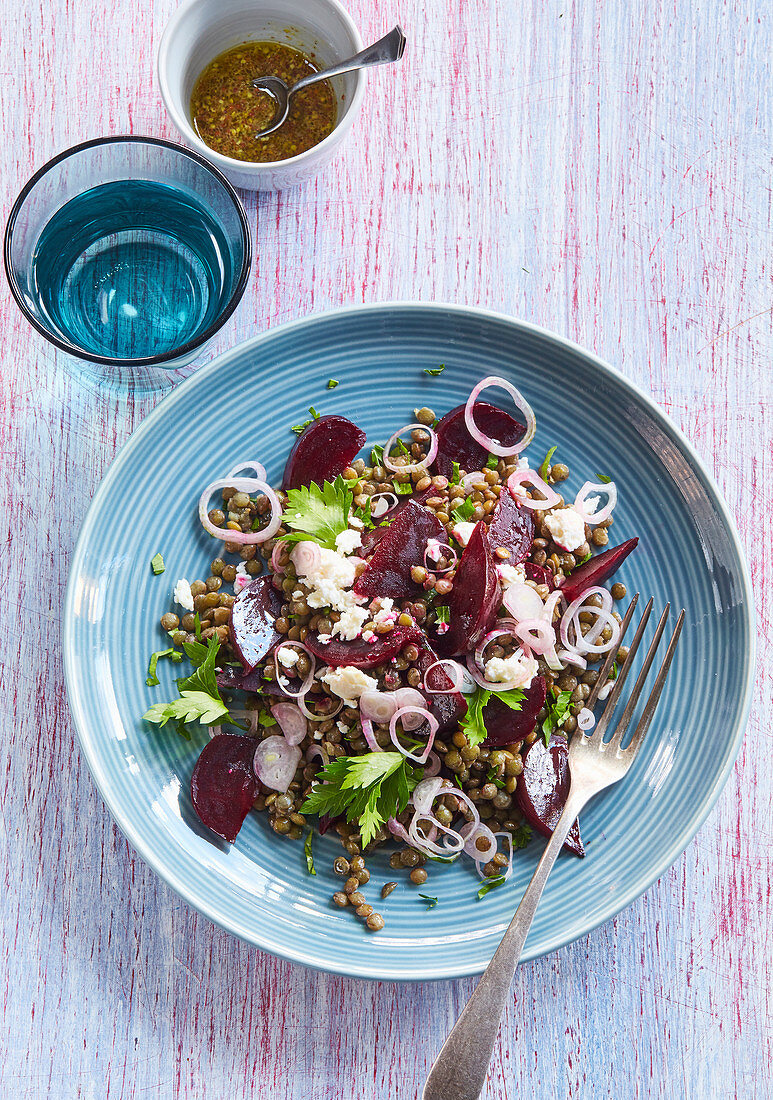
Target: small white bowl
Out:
[201,29]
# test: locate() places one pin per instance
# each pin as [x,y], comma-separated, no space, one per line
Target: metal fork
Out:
[459,1071]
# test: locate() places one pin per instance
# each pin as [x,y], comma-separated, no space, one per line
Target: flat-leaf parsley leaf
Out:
[369,789]
[472,724]
[318,514]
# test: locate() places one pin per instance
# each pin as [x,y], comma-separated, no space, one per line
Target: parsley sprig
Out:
[199,694]
[318,514]
[490,884]
[369,789]
[558,713]
[472,724]
[464,512]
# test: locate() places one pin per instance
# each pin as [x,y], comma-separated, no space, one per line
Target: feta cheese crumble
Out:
[349,626]
[511,574]
[330,583]
[349,683]
[518,669]
[287,657]
[348,541]
[463,532]
[567,528]
[242,578]
[183,594]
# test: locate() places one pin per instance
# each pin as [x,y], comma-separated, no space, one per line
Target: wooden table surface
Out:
[602,169]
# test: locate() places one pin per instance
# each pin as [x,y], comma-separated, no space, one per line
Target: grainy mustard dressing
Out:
[227,111]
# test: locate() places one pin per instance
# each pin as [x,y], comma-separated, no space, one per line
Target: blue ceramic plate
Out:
[242,405]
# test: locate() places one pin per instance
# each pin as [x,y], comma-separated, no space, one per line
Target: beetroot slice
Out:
[224,785]
[251,625]
[400,548]
[362,654]
[504,726]
[511,527]
[543,787]
[597,570]
[322,451]
[539,573]
[230,679]
[455,444]
[474,598]
[448,709]
[374,534]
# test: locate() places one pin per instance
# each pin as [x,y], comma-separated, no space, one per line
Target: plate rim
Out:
[400,973]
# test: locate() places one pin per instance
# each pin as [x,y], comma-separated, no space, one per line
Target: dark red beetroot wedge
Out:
[400,548]
[224,785]
[597,570]
[539,573]
[251,625]
[543,786]
[455,444]
[511,527]
[229,679]
[504,726]
[375,534]
[362,654]
[474,599]
[323,451]
[448,709]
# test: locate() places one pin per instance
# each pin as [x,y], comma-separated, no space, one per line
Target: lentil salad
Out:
[406,638]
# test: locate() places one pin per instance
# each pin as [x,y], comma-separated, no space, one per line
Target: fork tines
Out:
[621,729]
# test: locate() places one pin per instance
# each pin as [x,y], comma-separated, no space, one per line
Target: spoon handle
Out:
[389,48]
[459,1071]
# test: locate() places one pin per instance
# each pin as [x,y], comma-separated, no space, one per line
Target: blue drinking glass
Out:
[128,252]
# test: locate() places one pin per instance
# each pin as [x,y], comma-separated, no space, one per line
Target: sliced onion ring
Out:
[433,765]
[506,626]
[444,550]
[301,700]
[538,635]
[242,485]
[472,833]
[276,762]
[369,734]
[530,477]
[281,671]
[474,480]
[385,498]
[427,790]
[508,838]
[410,697]
[413,466]
[257,468]
[378,706]
[456,676]
[586,719]
[279,548]
[305,556]
[523,602]
[493,446]
[609,490]
[317,750]
[292,722]
[424,716]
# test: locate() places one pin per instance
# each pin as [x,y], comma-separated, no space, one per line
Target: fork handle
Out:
[459,1071]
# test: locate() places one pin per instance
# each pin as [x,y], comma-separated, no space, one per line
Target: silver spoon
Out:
[389,48]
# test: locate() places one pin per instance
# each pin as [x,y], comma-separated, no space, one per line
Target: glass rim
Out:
[147,360]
